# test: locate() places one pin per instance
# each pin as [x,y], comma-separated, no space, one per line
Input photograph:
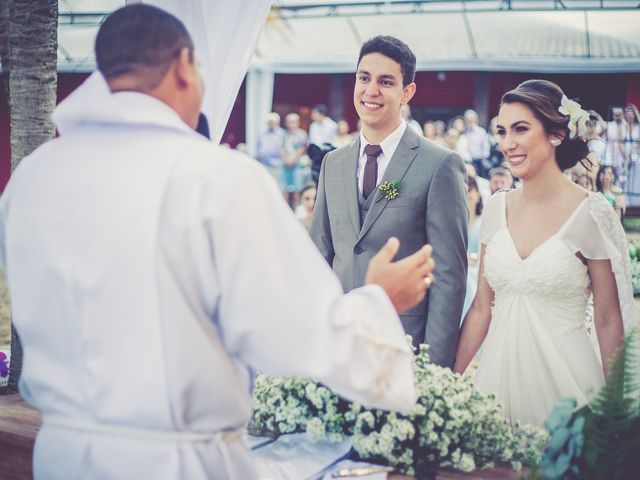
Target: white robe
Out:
[150,274]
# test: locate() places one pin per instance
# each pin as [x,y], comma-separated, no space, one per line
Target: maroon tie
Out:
[370,169]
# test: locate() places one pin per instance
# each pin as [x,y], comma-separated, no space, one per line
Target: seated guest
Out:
[606,185]
[270,143]
[294,146]
[475,205]
[500,178]
[344,138]
[483,184]
[304,212]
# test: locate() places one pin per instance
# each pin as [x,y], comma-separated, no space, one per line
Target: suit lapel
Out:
[398,166]
[349,168]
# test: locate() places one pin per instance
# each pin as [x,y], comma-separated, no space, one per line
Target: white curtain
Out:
[225,34]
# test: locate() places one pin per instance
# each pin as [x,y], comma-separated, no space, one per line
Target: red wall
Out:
[633,89]
[297,92]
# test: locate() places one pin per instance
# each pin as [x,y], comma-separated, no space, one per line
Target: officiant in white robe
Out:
[151,273]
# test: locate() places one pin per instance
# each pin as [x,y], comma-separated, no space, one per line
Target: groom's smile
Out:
[372,106]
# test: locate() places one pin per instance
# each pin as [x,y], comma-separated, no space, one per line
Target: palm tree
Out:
[32,61]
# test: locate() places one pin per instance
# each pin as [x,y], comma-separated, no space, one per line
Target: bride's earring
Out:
[555,142]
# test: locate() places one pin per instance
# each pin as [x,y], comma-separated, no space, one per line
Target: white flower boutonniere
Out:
[390,190]
[577,118]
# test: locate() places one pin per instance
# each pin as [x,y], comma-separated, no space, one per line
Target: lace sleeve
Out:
[598,235]
[492,217]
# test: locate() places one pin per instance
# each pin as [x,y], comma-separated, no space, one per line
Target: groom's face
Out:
[379,94]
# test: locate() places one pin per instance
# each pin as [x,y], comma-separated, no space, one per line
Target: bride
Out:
[545,249]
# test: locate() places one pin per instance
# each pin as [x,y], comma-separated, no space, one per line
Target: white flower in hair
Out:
[578,118]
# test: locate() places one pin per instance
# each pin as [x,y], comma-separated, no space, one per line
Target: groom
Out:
[354,217]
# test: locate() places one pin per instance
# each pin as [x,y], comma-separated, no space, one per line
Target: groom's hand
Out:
[405,281]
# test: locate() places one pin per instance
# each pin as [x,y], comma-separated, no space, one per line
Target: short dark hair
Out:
[140,39]
[396,50]
[543,99]
[320,108]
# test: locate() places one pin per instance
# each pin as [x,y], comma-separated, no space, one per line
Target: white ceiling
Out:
[445,35]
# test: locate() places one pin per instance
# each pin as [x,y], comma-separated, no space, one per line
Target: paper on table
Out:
[258,442]
[295,457]
[347,464]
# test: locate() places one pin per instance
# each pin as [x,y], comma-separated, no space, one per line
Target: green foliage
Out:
[452,424]
[612,420]
[635,276]
[631,224]
[608,432]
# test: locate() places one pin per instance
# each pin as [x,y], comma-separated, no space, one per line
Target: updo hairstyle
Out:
[543,99]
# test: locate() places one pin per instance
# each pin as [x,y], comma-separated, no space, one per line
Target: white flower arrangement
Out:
[452,424]
[578,118]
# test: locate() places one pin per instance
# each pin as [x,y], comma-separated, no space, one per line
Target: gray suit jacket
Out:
[431,208]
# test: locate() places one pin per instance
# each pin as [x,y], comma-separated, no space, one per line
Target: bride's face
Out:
[523,140]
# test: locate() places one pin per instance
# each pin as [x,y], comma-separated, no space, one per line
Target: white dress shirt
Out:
[388,146]
[323,132]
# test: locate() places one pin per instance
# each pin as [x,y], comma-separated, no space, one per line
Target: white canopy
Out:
[311,36]
[308,36]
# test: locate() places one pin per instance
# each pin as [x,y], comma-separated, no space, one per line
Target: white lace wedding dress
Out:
[538,348]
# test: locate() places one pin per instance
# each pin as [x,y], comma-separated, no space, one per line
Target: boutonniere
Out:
[390,190]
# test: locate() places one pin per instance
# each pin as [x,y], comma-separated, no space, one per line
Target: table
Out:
[19,424]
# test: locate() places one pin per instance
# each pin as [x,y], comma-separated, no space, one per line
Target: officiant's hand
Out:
[405,281]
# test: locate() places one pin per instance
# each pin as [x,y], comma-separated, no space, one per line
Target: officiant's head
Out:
[144,49]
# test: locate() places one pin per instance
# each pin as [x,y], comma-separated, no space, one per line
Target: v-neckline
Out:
[546,240]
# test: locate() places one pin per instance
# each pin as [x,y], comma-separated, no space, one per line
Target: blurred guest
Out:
[495,155]
[344,137]
[477,142]
[616,130]
[483,184]
[457,142]
[475,204]
[439,127]
[597,145]
[595,141]
[606,185]
[270,146]
[457,122]
[322,129]
[632,152]
[242,148]
[429,130]
[405,113]
[500,178]
[304,211]
[294,146]
[584,180]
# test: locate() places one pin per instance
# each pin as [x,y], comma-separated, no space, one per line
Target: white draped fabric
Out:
[225,34]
